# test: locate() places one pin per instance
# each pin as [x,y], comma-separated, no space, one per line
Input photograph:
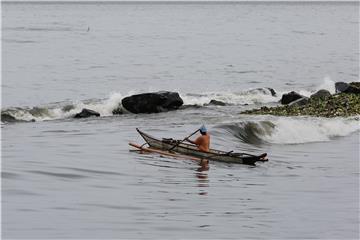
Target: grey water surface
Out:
[69,178]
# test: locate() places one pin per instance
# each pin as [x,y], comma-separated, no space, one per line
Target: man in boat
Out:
[203,141]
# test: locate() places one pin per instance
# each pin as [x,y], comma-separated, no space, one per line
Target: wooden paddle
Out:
[177,144]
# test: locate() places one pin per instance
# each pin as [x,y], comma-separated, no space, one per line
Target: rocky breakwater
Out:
[344,103]
[154,102]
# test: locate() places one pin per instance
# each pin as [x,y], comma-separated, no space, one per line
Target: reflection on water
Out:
[202,177]
[204,165]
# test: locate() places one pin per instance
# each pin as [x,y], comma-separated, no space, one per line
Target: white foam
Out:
[304,130]
[25,115]
[104,107]
[326,84]
[252,96]
[235,98]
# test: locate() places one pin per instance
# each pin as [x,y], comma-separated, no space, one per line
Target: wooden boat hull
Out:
[164,153]
[191,150]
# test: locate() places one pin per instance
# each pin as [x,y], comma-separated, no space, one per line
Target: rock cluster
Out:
[353,87]
[345,103]
[142,103]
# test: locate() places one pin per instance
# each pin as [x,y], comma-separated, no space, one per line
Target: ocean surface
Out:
[77,178]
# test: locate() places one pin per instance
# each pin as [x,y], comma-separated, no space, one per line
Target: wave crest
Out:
[61,110]
[250,132]
[285,130]
[252,96]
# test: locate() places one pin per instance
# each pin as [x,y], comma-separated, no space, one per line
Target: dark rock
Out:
[300,102]
[354,88]
[152,102]
[342,87]
[355,84]
[321,94]
[217,103]
[85,113]
[290,97]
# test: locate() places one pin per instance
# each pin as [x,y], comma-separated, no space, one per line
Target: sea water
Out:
[69,178]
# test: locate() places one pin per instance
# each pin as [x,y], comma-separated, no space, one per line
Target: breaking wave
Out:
[61,110]
[252,96]
[249,131]
[106,107]
[286,130]
[327,84]
[255,132]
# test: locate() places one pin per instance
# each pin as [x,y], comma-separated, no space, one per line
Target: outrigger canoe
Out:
[172,147]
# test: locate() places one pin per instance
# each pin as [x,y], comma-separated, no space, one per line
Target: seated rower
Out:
[203,141]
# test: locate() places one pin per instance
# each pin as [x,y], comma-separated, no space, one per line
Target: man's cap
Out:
[203,129]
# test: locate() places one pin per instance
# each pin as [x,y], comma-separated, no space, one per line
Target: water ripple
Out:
[9,175]
[117,207]
[40,29]
[60,175]
[92,171]
[19,192]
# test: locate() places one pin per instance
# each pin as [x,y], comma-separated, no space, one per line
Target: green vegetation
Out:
[338,105]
